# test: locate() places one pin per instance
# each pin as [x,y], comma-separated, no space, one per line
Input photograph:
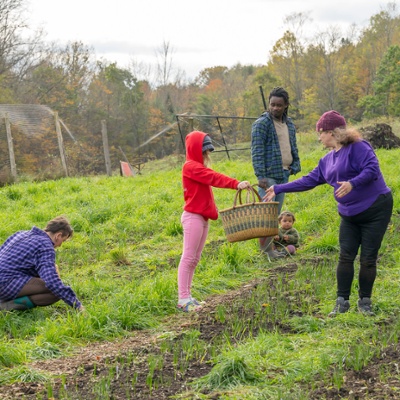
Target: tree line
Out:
[355,72]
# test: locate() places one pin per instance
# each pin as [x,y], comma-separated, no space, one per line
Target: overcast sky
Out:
[201,34]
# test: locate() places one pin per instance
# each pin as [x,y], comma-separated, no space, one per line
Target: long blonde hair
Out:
[345,136]
[207,158]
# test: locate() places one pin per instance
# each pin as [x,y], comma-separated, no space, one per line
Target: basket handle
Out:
[255,197]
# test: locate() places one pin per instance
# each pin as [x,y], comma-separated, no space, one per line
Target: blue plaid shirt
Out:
[28,254]
[266,154]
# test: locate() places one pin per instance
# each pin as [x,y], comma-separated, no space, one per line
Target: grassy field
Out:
[122,263]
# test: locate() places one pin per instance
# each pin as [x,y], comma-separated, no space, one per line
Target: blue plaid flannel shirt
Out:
[265,151]
[28,254]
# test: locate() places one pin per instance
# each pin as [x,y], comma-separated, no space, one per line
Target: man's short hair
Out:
[59,224]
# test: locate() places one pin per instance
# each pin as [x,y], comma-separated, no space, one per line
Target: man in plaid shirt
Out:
[274,151]
[28,272]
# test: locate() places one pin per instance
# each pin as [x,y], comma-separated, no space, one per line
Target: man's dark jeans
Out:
[365,230]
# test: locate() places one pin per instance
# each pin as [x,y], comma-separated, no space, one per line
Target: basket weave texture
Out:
[254,219]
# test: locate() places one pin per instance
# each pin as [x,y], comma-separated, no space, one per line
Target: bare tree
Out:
[296,22]
[333,49]
[389,17]
[140,70]
[164,65]
[17,53]
[288,52]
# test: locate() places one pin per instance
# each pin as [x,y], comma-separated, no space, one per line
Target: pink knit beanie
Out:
[330,120]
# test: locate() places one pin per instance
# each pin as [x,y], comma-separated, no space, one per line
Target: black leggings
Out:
[37,291]
[365,230]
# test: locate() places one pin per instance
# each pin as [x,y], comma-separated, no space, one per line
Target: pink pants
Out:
[195,230]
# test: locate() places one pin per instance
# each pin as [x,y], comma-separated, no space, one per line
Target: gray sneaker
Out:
[341,307]
[365,306]
[273,254]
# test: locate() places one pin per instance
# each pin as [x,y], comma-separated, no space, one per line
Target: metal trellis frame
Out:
[180,117]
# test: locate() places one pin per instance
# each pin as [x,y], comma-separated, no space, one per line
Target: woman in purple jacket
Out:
[365,204]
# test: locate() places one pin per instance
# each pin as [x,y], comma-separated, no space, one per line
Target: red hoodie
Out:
[197,179]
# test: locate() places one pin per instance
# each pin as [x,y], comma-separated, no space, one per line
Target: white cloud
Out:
[202,34]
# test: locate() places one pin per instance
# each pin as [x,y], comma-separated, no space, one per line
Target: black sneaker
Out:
[341,307]
[365,306]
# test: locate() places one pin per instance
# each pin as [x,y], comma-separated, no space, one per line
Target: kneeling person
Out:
[28,272]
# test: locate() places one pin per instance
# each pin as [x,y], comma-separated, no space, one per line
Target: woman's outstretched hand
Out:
[269,194]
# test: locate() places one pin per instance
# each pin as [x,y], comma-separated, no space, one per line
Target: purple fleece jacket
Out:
[356,163]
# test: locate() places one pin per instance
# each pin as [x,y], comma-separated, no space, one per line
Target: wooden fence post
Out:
[60,143]
[10,147]
[105,146]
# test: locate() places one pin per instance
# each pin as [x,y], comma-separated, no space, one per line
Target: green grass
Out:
[122,262]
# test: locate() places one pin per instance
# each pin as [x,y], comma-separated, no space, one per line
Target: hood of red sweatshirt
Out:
[194,146]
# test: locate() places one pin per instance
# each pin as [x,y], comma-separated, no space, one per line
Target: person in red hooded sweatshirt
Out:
[199,207]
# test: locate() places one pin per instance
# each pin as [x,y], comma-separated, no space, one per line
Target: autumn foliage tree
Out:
[355,72]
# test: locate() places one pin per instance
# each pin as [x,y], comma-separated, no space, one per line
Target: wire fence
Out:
[35,142]
[226,132]
[28,142]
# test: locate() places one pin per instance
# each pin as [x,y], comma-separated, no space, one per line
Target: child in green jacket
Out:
[287,239]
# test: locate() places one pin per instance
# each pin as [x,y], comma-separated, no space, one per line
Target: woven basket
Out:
[254,219]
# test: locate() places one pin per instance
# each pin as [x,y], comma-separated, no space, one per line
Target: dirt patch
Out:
[380,136]
[368,384]
[154,365]
[93,363]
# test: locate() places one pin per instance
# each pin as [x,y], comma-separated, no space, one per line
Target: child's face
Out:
[286,222]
